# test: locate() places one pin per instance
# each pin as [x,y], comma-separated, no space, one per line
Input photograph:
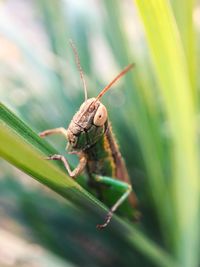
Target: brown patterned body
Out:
[90,136]
[104,158]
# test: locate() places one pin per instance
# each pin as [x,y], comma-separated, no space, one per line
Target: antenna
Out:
[79,67]
[122,73]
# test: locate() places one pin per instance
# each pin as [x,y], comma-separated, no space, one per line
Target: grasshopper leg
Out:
[59,130]
[77,170]
[120,186]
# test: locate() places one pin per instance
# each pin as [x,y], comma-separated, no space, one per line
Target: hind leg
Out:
[119,186]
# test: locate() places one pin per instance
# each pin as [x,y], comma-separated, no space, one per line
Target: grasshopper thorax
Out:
[87,126]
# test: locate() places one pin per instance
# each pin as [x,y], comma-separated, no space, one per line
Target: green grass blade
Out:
[21,146]
[183,11]
[171,67]
[25,150]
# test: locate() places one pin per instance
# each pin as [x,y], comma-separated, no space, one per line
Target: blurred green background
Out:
[154,111]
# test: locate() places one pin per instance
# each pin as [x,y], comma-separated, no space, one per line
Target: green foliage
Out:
[153,110]
[175,72]
[23,148]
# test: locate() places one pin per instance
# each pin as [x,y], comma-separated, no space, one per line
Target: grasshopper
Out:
[90,137]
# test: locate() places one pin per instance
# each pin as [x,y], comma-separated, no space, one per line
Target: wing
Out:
[121,172]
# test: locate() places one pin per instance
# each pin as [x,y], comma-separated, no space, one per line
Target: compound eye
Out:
[100,116]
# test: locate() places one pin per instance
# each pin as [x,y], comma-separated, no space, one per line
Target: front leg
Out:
[59,130]
[119,186]
[79,168]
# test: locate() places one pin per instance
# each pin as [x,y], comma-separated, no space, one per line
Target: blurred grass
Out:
[22,147]
[156,107]
[173,76]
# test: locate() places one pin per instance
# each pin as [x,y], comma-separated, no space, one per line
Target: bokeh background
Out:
[40,83]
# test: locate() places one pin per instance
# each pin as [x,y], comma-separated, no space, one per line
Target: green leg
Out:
[119,186]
